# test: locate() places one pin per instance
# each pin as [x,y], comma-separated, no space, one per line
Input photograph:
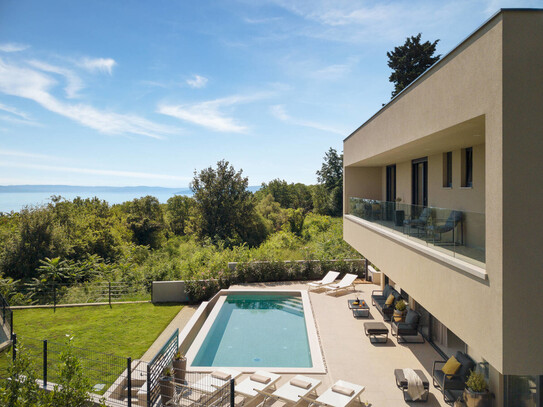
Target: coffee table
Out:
[359,310]
[401,382]
[376,331]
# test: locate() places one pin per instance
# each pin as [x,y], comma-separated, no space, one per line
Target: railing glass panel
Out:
[455,232]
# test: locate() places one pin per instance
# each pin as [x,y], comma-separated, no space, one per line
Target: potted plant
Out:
[400,311]
[179,367]
[476,393]
[167,386]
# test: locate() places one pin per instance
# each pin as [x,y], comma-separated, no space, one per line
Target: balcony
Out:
[455,233]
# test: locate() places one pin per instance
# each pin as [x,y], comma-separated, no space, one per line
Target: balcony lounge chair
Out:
[379,298]
[420,222]
[450,225]
[341,394]
[292,392]
[447,384]
[408,328]
[346,282]
[259,381]
[329,278]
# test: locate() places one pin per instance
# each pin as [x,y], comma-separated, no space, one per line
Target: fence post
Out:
[45,364]
[129,380]
[11,325]
[54,298]
[109,294]
[232,394]
[14,347]
[148,385]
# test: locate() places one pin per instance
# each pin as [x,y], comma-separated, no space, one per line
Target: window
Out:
[467,167]
[447,170]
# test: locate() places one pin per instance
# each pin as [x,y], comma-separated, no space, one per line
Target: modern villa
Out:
[441,195]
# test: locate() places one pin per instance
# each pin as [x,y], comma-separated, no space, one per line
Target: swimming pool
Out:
[255,330]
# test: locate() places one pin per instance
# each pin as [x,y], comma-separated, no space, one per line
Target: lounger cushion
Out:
[342,390]
[260,379]
[451,366]
[300,383]
[390,300]
[221,375]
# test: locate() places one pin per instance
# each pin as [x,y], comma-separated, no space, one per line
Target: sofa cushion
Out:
[467,364]
[390,299]
[412,318]
[386,291]
[451,367]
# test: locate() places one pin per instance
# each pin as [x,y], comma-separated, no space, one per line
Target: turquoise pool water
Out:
[257,331]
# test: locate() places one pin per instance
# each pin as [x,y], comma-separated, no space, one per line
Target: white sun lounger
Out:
[206,386]
[291,393]
[329,278]
[346,282]
[337,395]
[249,387]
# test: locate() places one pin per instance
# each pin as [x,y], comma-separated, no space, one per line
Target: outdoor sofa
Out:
[379,298]
[409,327]
[452,384]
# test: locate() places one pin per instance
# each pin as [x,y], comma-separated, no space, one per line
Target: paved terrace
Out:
[350,356]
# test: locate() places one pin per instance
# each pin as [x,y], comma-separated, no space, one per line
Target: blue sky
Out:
[144,93]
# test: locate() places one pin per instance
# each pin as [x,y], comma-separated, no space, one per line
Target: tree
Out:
[224,208]
[146,220]
[20,389]
[279,189]
[409,61]
[178,213]
[331,177]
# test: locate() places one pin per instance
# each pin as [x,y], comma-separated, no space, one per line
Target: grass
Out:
[123,330]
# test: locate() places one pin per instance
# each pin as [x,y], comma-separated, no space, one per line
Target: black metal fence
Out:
[126,382]
[90,292]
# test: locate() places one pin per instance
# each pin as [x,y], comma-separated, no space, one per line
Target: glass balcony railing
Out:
[457,233]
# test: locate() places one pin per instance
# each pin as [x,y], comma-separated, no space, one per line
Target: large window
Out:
[467,167]
[447,169]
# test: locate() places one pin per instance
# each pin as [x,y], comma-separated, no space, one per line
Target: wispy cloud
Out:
[93,171]
[279,112]
[35,85]
[13,47]
[15,120]
[197,81]
[97,64]
[208,114]
[25,154]
[73,83]
[14,111]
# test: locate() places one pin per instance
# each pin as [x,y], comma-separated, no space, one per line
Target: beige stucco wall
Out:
[445,98]
[522,192]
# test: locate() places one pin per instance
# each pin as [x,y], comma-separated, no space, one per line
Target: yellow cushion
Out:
[451,366]
[390,299]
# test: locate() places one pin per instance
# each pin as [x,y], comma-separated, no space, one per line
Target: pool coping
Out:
[212,308]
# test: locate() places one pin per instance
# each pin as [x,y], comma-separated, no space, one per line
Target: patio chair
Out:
[329,278]
[408,328]
[341,394]
[200,390]
[420,222]
[447,383]
[259,381]
[291,392]
[346,282]
[450,225]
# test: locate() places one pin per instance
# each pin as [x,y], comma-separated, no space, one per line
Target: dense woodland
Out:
[86,240]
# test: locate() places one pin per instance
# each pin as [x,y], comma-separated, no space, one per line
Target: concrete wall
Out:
[169,291]
[455,105]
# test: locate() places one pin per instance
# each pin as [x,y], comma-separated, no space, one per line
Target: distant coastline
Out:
[16,197]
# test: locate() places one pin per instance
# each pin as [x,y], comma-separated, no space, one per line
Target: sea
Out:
[16,197]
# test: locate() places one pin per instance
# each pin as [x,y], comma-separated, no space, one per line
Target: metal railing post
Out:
[148,385]
[14,347]
[11,325]
[232,393]
[129,380]
[54,298]
[45,364]
[109,294]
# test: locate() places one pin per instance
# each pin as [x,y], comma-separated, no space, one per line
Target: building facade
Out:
[441,190]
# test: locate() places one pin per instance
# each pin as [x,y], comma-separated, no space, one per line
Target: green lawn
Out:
[124,330]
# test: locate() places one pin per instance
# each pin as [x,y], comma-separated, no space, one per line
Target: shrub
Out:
[476,382]
[202,288]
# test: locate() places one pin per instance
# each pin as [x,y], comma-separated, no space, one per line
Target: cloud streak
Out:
[93,171]
[35,85]
[104,65]
[197,81]
[73,83]
[208,114]
[14,111]
[279,112]
[13,47]
[24,154]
